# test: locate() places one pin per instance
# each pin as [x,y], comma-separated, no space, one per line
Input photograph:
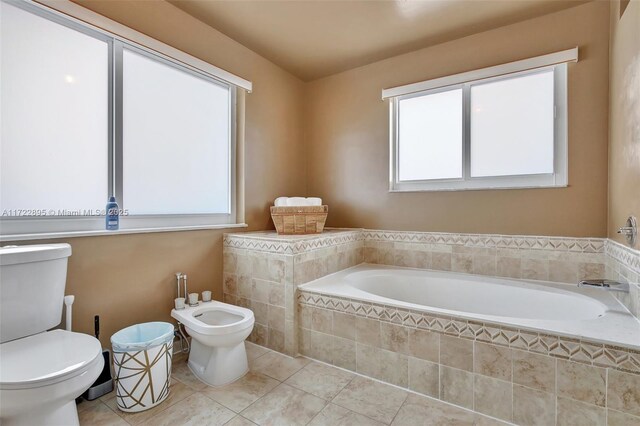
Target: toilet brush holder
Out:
[104,383]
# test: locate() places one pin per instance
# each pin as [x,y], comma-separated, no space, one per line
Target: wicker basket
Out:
[299,220]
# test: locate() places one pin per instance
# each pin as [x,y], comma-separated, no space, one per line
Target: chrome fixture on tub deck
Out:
[607,285]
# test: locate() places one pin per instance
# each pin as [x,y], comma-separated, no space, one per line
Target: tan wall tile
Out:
[276,317]
[588,270]
[456,352]
[245,286]
[230,284]
[574,413]
[344,325]
[276,295]
[424,344]
[535,269]
[508,267]
[260,312]
[461,262]
[260,266]
[565,272]
[394,338]
[229,262]
[319,346]
[424,377]
[393,368]
[484,264]
[582,382]
[260,290]
[493,397]
[616,418]
[277,270]
[304,316]
[456,386]
[533,407]
[344,353]
[367,361]
[259,334]
[275,340]
[493,361]
[368,331]
[534,371]
[441,261]
[623,392]
[322,320]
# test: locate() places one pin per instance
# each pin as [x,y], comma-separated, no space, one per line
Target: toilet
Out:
[41,372]
[218,331]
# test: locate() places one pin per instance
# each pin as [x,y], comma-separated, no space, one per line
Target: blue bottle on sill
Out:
[113,215]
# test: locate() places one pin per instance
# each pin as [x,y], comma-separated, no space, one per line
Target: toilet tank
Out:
[32,281]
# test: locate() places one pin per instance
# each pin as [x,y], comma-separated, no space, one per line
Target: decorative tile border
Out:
[626,256]
[290,244]
[298,244]
[579,245]
[577,350]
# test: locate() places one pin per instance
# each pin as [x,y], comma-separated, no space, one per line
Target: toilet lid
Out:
[45,358]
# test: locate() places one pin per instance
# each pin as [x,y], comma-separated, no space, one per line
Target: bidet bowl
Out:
[218,331]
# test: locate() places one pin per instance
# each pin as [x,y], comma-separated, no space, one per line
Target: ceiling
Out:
[313,39]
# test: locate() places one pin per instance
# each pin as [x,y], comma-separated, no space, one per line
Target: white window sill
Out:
[97,233]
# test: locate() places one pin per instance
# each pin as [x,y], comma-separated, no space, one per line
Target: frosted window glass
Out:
[512,126]
[54,115]
[176,129]
[430,136]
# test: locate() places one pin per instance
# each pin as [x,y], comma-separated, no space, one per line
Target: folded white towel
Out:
[297,201]
[314,201]
[280,201]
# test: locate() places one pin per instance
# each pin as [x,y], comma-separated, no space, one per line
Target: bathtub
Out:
[554,308]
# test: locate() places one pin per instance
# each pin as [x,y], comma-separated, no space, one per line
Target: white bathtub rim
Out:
[618,327]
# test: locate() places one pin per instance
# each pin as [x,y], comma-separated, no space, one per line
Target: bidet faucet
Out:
[178,278]
[607,285]
[183,277]
[184,281]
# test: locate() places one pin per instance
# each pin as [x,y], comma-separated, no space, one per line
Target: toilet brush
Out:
[104,383]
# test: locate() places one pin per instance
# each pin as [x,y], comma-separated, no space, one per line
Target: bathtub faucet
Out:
[607,285]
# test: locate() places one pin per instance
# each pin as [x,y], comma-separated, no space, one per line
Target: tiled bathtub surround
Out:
[539,258]
[623,264]
[262,270]
[515,375]
[557,259]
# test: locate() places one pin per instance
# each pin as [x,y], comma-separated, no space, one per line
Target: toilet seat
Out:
[46,358]
[215,318]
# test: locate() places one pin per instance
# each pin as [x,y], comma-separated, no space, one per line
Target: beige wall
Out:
[130,278]
[347,136]
[340,126]
[624,117]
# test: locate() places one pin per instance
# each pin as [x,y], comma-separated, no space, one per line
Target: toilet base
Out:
[218,366]
[66,414]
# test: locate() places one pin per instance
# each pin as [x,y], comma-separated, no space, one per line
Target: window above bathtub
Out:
[87,114]
[495,128]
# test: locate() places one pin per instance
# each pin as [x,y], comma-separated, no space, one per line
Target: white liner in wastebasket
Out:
[142,363]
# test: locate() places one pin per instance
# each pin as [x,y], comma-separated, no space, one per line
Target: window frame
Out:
[559,177]
[14,228]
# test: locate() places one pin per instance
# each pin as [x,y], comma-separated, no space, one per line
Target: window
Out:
[175,141]
[86,115]
[55,124]
[502,130]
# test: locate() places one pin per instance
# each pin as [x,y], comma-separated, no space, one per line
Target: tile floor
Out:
[280,390]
